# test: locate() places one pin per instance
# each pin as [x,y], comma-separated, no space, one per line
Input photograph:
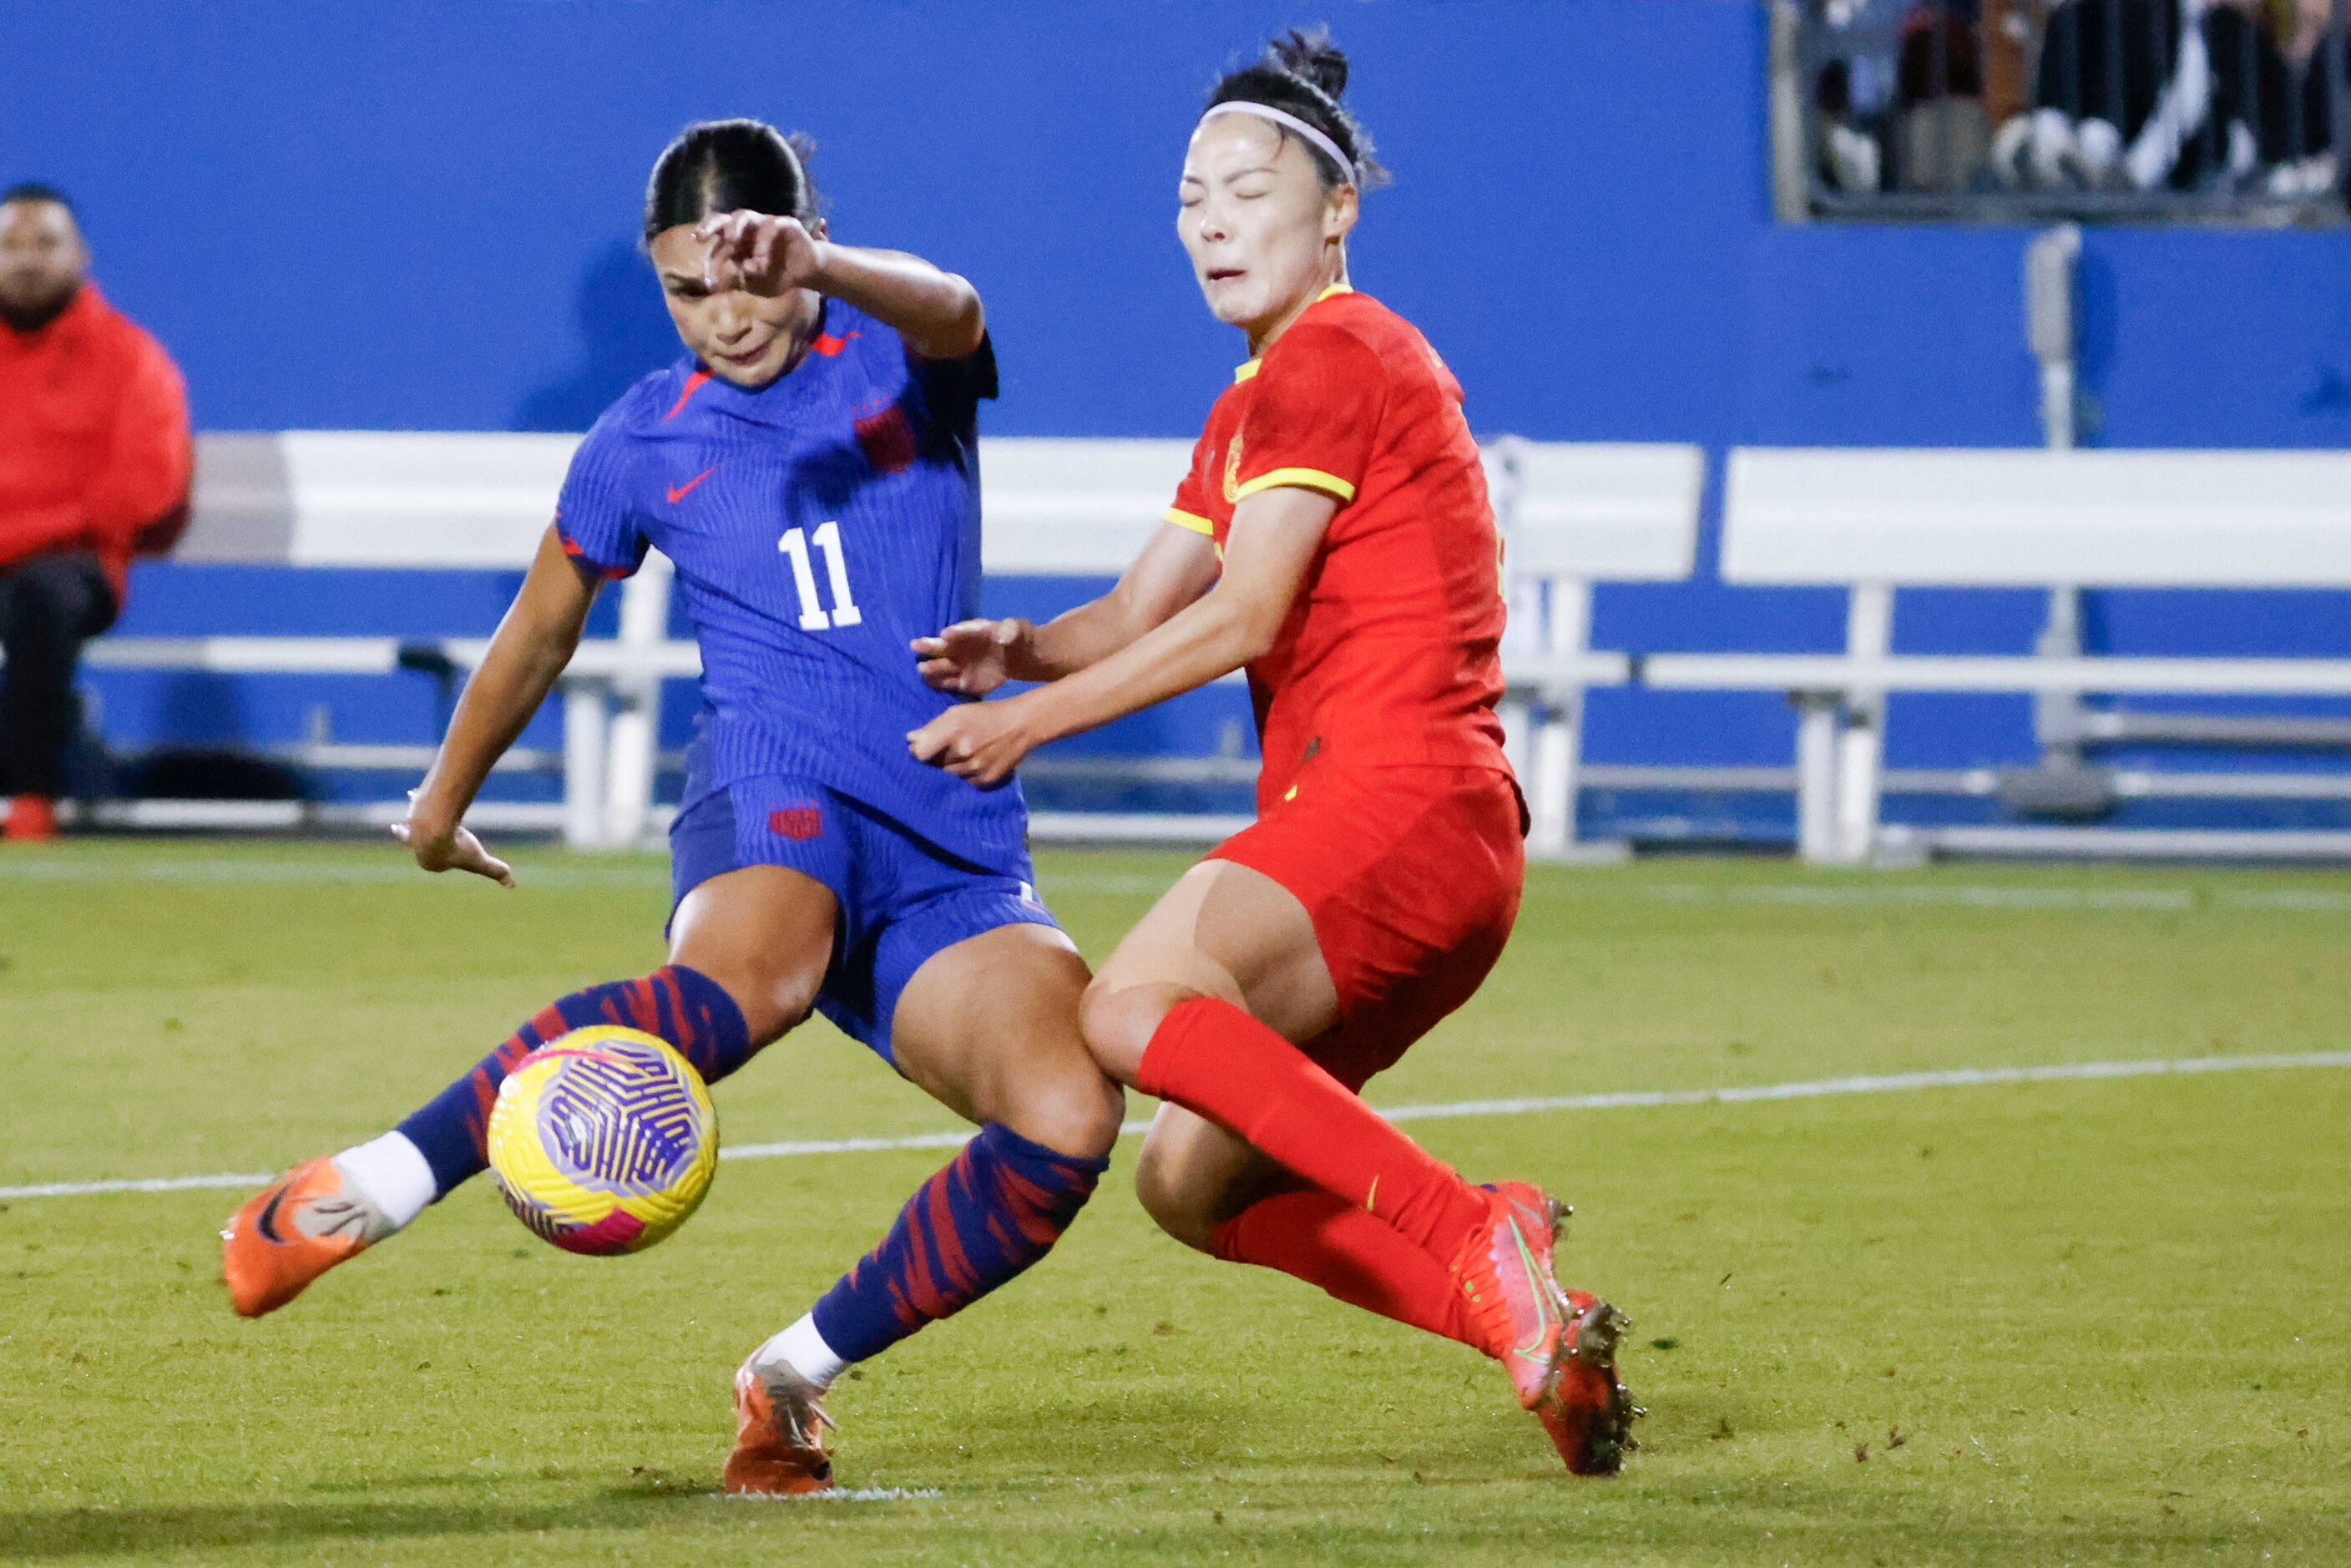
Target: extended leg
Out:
[1201,1005]
[748,951]
[1214,1193]
[988,1027]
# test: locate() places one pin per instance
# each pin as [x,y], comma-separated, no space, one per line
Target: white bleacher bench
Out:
[1572,516]
[1875,520]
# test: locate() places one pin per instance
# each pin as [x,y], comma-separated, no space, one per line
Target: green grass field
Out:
[2053,1321]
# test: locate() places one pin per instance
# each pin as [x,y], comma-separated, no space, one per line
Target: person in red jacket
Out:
[95,459]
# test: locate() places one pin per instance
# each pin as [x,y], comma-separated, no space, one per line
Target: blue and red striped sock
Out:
[683,1005]
[997,1208]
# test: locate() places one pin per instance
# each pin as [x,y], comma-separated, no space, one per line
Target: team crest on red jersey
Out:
[1233,469]
[796,823]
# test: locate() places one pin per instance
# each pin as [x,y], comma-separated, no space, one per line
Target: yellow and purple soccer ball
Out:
[603,1140]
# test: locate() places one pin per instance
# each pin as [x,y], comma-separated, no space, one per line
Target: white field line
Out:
[1812,1089]
[1861,892]
[860,1494]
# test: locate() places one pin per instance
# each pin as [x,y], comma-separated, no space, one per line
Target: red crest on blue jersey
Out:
[797,822]
[888,438]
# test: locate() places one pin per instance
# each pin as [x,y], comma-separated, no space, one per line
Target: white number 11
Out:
[826,539]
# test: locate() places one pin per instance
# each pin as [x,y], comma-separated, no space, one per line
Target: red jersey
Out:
[1391,654]
[94,447]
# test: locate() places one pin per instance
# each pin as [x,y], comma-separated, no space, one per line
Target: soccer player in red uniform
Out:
[1334,537]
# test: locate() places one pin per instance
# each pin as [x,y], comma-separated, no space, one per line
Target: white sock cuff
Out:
[802,1349]
[391,1173]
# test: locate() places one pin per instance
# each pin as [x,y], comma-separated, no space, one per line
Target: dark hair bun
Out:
[1312,57]
[1303,74]
[730,165]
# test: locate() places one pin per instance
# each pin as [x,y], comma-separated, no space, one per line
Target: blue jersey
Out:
[818,526]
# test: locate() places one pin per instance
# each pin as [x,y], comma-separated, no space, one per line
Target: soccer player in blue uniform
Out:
[811,471]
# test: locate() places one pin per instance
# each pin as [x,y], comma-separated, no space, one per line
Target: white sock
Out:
[390,1173]
[802,1349]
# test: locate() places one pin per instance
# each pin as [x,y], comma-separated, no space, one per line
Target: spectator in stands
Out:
[2141,95]
[95,460]
[1897,95]
[1851,69]
[2318,55]
[1943,138]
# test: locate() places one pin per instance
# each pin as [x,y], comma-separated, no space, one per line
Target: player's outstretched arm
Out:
[534,641]
[1271,544]
[937,312]
[974,657]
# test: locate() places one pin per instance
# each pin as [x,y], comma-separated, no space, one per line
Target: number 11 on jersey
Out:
[826,539]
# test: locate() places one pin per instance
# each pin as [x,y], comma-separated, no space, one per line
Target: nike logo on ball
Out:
[679,492]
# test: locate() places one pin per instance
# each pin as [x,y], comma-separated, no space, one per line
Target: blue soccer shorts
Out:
[899,898]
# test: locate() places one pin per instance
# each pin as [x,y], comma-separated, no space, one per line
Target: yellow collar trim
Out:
[1248,371]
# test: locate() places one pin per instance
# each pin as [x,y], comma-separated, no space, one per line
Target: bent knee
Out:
[772,1002]
[1178,1206]
[1077,1113]
[1118,1023]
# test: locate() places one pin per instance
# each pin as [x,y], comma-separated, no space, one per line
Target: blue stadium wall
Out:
[423,216]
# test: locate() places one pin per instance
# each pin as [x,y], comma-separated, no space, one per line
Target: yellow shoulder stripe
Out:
[1184,519]
[1247,372]
[1300,479]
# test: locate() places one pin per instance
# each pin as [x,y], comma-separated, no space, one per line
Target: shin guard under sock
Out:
[1211,1058]
[997,1208]
[1357,1257]
[682,1006]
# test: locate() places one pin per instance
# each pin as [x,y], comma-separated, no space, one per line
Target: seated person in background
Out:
[95,460]
[1943,139]
[2318,57]
[2142,95]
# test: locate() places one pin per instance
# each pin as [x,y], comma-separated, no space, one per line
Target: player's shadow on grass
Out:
[1758,1514]
[624,333]
[73,1532]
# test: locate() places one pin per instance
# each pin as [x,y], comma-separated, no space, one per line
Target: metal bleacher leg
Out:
[1522,596]
[1818,717]
[1861,748]
[1558,743]
[1516,718]
[583,764]
[636,718]
[1553,801]
[1861,757]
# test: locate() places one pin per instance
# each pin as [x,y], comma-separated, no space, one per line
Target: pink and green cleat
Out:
[1559,1348]
[1590,1414]
[1505,1270]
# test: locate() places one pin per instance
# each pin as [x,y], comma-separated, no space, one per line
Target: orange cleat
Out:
[32,820]
[1505,1270]
[292,1231]
[779,1426]
[1590,1413]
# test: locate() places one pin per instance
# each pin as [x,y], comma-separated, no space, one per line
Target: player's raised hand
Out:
[768,254]
[972,657]
[450,848]
[983,742]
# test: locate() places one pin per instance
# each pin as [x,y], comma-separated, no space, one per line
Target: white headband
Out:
[1290,122]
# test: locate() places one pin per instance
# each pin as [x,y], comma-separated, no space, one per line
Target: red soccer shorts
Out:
[1411,876]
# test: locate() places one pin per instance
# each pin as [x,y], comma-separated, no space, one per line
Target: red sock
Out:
[1357,1257]
[1210,1056]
